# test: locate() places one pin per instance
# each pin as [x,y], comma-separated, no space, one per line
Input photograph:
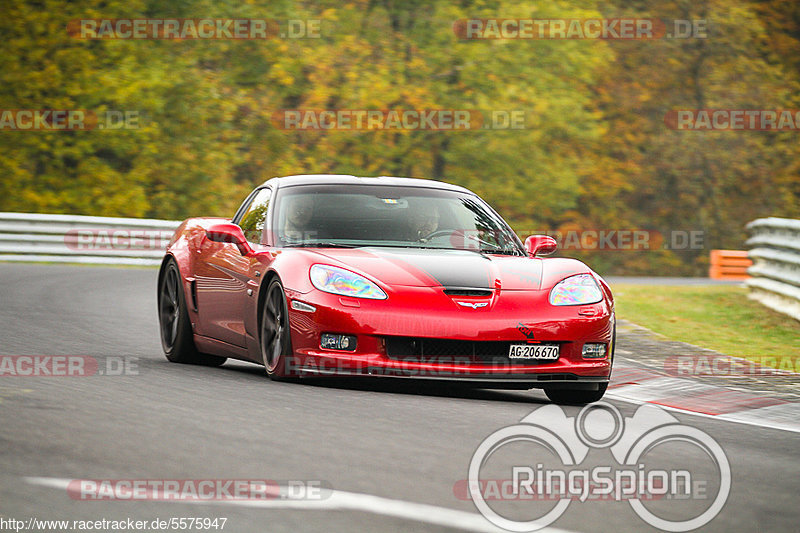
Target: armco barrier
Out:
[82,239]
[775,251]
[729,265]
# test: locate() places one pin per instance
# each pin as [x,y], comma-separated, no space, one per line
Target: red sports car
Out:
[331,275]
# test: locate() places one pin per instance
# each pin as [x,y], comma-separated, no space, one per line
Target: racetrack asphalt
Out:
[392,451]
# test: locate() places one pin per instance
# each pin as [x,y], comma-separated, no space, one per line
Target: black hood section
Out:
[450,268]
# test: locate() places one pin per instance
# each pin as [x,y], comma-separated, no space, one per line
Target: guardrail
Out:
[775,251]
[82,239]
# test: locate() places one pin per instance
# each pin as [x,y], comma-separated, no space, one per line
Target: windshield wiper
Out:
[319,244]
[495,248]
[498,251]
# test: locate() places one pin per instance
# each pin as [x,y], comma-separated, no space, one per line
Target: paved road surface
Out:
[392,452]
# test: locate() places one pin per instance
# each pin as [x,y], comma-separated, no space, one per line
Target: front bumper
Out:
[517,317]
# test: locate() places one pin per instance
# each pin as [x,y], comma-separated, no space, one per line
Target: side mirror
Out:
[540,245]
[230,233]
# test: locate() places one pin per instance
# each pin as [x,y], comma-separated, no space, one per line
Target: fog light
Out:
[594,351]
[331,341]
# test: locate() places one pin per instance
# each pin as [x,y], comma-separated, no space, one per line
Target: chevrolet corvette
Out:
[329,275]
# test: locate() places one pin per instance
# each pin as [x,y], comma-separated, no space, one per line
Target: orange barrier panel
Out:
[729,264]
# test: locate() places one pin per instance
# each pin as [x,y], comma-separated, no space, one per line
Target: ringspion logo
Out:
[555,447]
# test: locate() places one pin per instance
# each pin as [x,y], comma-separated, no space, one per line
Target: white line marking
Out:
[788,413]
[346,501]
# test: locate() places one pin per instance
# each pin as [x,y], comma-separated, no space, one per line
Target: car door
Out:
[225,277]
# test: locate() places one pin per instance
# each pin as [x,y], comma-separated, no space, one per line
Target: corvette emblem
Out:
[525,330]
[473,305]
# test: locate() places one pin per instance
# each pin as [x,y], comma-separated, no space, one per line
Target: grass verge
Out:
[717,317]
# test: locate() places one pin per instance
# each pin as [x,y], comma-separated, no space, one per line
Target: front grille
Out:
[450,351]
[468,292]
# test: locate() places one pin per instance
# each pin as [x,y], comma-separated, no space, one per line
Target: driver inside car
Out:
[423,220]
[299,211]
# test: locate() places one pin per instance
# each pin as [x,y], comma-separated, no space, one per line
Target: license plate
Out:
[533,351]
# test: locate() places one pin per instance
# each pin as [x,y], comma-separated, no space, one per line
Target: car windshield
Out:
[380,215]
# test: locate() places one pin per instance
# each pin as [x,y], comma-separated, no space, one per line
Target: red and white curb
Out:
[641,385]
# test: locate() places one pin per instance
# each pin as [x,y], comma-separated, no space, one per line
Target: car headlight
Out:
[576,290]
[337,280]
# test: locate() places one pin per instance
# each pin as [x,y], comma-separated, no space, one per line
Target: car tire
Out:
[173,320]
[576,396]
[274,332]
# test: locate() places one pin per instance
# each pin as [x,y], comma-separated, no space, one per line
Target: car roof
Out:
[343,179]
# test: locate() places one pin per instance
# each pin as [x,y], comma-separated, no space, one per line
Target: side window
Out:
[243,208]
[252,221]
